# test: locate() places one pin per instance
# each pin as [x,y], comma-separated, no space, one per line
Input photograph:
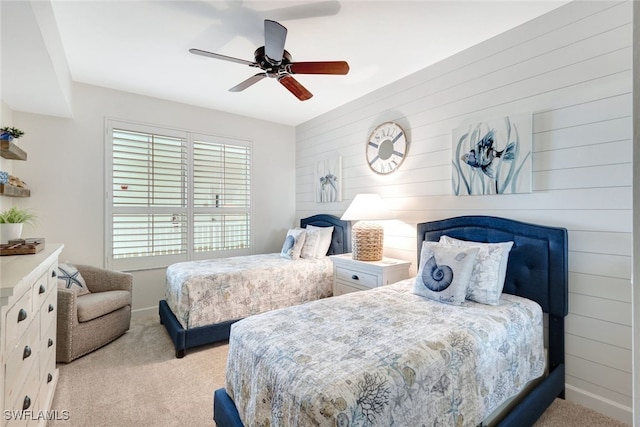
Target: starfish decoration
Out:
[70,278]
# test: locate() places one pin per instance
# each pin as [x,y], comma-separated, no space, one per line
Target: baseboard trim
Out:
[600,404]
[139,313]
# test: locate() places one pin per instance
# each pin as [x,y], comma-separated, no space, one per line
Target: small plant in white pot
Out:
[11,221]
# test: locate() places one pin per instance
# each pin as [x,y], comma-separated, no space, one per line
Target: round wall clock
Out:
[386,148]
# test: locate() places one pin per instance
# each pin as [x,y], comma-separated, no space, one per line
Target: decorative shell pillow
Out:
[70,278]
[444,272]
[316,242]
[293,243]
[489,271]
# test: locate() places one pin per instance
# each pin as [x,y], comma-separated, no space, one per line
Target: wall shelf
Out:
[9,150]
[13,191]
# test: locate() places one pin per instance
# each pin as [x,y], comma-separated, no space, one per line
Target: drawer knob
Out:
[50,308]
[53,273]
[355,277]
[27,352]
[49,378]
[22,315]
[50,342]
[42,289]
[26,403]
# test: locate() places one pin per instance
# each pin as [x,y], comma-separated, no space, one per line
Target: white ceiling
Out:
[142,47]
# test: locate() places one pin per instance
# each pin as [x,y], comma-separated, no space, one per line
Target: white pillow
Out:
[444,272]
[292,245]
[317,242]
[489,272]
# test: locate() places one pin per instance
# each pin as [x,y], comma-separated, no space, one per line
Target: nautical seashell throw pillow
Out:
[489,271]
[444,272]
[292,245]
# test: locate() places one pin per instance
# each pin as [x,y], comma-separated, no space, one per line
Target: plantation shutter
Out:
[175,195]
[149,195]
[221,195]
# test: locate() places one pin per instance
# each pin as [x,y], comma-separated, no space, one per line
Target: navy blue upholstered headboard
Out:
[341,238]
[537,267]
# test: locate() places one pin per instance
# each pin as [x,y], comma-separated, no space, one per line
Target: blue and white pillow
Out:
[70,278]
[444,272]
[293,243]
[489,271]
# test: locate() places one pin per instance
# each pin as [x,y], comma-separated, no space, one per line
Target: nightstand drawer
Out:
[356,277]
[342,288]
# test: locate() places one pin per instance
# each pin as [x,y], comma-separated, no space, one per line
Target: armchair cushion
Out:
[93,305]
[70,278]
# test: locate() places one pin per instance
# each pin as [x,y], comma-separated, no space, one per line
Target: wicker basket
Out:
[367,241]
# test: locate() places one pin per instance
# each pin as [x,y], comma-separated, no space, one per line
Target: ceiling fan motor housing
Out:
[269,64]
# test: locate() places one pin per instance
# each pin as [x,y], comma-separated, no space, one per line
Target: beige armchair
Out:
[88,322]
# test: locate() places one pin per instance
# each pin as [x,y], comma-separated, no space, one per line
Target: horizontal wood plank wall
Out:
[572,70]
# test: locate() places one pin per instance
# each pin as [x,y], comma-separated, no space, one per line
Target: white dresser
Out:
[28,312]
[350,275]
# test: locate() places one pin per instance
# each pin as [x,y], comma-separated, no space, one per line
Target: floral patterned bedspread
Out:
[383,357]
[202,293]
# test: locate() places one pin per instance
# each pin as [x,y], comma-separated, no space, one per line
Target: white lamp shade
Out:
[367,207]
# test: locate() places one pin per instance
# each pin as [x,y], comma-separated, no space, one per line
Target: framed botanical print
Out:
[329,180]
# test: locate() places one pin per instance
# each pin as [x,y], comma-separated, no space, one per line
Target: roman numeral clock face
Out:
[386,148]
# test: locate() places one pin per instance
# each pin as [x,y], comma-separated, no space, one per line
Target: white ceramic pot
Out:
[10,232]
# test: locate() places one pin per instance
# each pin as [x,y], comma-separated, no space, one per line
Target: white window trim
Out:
[161,262]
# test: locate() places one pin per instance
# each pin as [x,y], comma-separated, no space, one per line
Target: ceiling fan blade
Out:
[249,82]
[294,87]
[274,38]
[310,10]
[328,67]
[223,57]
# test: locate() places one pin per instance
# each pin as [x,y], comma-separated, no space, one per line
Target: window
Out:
[174,196]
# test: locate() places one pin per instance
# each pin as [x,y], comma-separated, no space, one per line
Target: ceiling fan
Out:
[276,62]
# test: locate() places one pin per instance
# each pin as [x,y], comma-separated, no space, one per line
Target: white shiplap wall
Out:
[572,70]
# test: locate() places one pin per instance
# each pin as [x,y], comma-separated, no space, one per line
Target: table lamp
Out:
[367,235]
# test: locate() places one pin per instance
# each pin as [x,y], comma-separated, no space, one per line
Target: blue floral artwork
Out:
[493,157]
[328,180]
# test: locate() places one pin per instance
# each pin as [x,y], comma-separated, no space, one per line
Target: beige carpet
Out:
[137,381]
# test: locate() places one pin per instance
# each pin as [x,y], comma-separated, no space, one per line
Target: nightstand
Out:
[350,275]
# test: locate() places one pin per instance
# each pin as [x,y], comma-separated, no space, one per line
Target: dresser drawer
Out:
[40,291]
[21,361]
[20,415]
[48,312]
[48,380]
[47,344]
[17,320]
[356,277]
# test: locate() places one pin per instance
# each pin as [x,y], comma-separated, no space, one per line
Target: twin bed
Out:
[204,298]
[391,357]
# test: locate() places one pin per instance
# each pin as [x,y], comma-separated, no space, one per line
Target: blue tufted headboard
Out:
[537,267]
[341,238]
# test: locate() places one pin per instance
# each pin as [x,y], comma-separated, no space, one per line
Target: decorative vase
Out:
[10,232]
[5,136]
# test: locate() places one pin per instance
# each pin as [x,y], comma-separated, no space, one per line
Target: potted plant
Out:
[9,133]
[11,221]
